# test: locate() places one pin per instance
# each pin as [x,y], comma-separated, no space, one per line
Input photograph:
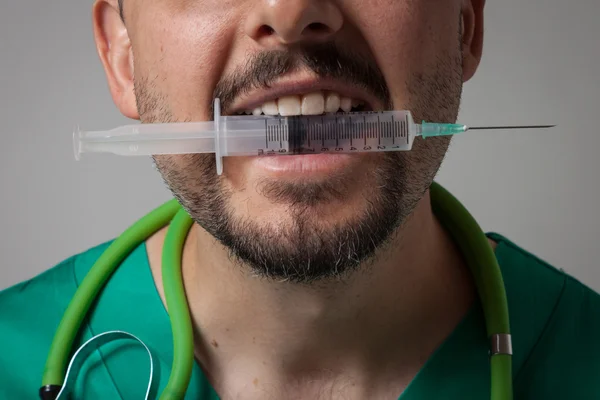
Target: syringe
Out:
[268,135]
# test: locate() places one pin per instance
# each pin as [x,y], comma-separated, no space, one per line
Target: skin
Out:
[281,330]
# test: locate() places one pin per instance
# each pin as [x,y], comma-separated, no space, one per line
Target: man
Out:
[307,277]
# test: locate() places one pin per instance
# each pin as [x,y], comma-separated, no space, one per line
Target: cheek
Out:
[182,52]
[406,36]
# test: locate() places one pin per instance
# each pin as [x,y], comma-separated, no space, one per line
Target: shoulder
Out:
[29,315]
[555,321]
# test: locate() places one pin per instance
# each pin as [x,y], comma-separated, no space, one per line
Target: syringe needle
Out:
[511,127]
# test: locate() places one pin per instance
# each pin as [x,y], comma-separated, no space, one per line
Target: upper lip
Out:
[297,86]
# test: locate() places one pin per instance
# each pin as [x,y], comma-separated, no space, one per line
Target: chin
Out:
[290,224]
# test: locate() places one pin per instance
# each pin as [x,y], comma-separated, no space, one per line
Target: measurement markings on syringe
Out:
[297,135]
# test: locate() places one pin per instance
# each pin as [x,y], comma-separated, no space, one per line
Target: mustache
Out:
[326,60]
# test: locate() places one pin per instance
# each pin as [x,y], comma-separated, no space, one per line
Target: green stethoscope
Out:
[454,217]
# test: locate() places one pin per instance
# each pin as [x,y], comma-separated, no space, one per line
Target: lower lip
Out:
[311,163]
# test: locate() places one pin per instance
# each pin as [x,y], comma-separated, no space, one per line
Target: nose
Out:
[284,22]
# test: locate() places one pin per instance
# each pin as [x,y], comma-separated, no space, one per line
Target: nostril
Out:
[266,30]
[317,27]
[289,34]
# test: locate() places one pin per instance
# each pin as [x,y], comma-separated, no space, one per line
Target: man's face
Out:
[300,218]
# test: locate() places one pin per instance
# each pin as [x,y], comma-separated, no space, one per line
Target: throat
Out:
[376,330]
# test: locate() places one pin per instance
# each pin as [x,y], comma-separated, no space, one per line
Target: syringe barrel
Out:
[331,133]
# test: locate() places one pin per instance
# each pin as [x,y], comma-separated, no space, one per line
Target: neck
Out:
[380,325]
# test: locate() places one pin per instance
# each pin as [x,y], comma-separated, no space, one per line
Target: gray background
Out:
[540,188]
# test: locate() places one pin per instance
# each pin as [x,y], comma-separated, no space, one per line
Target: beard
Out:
[302,248]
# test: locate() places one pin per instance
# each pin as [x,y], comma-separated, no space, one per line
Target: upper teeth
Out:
[309,104]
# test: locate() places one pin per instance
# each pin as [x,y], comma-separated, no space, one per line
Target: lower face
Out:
[300,218]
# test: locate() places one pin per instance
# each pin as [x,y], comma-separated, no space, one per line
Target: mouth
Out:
[307,97]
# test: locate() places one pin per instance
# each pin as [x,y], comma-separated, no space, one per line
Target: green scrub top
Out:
[555,322]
